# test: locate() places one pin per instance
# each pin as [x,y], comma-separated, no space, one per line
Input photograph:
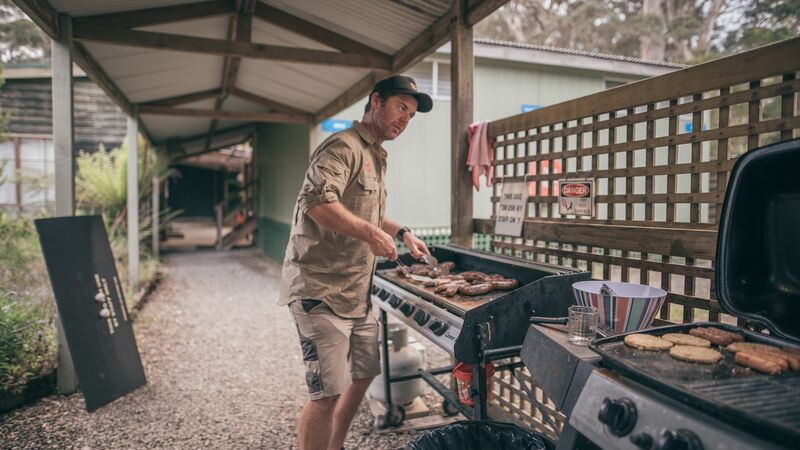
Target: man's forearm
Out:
[390,227]
[335,217]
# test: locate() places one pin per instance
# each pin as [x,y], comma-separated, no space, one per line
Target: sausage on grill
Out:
[448,265]
[452,289]
[756,361]
[475,289]
[716,336]
[504,284]
[473,275]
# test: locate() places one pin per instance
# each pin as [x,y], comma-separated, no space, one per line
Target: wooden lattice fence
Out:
[660,151]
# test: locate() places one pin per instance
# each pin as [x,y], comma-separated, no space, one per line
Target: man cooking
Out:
[338,231]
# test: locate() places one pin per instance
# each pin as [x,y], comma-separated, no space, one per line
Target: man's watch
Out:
[401,232]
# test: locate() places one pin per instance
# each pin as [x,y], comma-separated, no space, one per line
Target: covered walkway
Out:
[223,367]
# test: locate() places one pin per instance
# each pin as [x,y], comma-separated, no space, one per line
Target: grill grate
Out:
[774,398]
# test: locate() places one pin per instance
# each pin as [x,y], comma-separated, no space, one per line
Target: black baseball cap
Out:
[400,84]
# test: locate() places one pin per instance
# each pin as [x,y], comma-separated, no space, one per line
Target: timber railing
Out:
[660,151]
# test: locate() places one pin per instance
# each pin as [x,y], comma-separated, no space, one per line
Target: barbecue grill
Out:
[618,397]
[476,330]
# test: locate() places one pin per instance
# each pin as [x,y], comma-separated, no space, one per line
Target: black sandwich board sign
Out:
[92,307]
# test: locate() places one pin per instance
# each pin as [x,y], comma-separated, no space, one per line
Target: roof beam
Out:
[269,103]
[183,140]
[42,14]
[160,15]
[480,9]
[428,41]
[185,98]
[312,31]
[225,115]
[165,41]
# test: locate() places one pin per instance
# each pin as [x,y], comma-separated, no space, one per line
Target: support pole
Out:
[155,207]
[133,200]
[462,65]
[63,144]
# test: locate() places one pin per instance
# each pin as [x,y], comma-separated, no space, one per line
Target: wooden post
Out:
[63,142]
[133,200]
[155,209]
[462,65]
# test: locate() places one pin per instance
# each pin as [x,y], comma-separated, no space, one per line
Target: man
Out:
[338,231]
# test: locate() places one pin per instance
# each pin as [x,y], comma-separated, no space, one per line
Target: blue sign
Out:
[334,125]
[526,108]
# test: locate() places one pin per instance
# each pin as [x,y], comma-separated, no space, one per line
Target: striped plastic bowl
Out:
[632,308]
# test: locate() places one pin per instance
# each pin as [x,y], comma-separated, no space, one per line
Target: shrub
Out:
[27,340]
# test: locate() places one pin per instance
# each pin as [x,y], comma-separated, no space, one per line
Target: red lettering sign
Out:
[574,190]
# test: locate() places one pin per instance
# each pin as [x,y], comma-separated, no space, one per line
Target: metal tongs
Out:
[407,273]
[434,263]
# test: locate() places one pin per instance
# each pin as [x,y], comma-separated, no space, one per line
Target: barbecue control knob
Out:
[375,290]
[438,327]
[383,294]
[679,440]
[394,301]
[407,309]
[421,317]
[642,440]
[619,415]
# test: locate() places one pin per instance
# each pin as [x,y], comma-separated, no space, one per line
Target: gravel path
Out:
[223,366]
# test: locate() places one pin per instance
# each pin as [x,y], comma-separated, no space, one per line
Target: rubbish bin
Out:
[481,435]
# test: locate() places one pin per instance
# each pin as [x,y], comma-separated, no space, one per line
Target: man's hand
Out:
[415,245]
[382,244]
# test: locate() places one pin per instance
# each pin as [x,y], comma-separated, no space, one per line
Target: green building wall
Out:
[281,158]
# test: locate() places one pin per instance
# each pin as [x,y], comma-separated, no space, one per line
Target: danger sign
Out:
[576,197]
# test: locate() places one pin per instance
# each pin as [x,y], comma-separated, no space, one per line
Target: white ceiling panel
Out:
[267,33]
[385,25]
[144,75]
[173,127]
[304,86]
[234,103]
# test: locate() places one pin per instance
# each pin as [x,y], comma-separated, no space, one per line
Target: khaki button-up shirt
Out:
[349,167]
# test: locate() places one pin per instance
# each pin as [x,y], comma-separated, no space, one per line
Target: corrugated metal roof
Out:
[568,51]
[145,75]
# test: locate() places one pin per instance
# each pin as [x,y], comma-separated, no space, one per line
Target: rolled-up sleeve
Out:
[326,177]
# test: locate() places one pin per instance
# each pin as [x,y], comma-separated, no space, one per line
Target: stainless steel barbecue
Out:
[618,397]
[475,329]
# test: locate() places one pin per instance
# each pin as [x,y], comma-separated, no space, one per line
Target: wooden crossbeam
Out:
[225,115]
[165,41]
[269,103]
[159,15]
[312,31]
[428,41]
[480,9]
[185,98]
[42,14]
[172,142]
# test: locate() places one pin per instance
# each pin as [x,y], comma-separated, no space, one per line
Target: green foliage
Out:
[27,340]
[101,183]
[27,330]
[765,21]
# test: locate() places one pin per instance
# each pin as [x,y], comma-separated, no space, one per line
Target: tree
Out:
[664,30]
[763,22]
[20,38]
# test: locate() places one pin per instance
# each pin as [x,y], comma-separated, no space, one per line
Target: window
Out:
[432,77]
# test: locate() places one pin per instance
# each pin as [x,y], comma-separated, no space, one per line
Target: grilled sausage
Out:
[473,275]
[716,336]
[504,284]
[452,289]
[442,287]
[756,361]
[475,289]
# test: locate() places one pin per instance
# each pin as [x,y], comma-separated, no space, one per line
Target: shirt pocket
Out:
[366,198]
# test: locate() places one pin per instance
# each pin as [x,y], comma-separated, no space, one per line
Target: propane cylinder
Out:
[404,359]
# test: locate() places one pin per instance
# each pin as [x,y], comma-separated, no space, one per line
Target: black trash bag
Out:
[480,435]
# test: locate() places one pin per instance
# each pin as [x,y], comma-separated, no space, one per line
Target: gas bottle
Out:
[404,359]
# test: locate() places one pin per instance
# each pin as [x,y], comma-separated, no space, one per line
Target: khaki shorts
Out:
[330,342]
